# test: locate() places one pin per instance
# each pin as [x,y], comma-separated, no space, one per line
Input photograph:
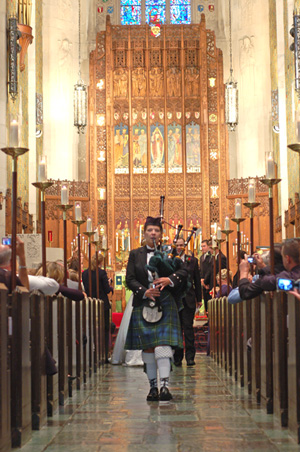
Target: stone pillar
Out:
[3,102]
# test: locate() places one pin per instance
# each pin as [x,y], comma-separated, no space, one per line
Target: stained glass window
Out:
[180,11]
[155,11]
[131,12]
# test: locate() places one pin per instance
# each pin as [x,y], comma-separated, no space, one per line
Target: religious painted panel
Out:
[121,149]
[193,159]
[174,148]
[157,148]
[138,231]
[139,140]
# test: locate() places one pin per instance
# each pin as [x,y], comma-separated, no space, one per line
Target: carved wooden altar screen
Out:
[157,128]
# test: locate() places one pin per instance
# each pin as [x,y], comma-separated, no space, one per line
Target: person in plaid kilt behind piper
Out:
[157,339]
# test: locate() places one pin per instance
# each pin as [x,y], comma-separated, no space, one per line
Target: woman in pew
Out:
[224,290]
[104,289]
[55,272]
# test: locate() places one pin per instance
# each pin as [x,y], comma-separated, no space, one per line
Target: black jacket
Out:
[104,287]
[137,276]
[194,293]
[209,279]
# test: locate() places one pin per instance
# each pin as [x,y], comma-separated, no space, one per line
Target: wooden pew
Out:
[235,341]
[256,349]
[294,365]
[229,336]
[20,368]
[5,426]
[51,327]
[280,357]
[240,341]
[71,343]
[38,363]
[62,350]
[79,344]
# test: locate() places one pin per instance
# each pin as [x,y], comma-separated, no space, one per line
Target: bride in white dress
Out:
[120,355]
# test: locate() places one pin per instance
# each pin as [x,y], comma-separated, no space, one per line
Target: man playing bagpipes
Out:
[158,283]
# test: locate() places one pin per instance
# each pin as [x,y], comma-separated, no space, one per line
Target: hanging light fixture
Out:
[80,91]
[231,91]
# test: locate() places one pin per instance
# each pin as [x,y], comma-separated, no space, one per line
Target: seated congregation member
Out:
[291,261]
[104,290]
[155,339]
[235,281]
[5,265]
[224,290]
[55,271]
[190,302]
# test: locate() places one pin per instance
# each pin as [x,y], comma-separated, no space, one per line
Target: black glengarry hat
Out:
[151,221]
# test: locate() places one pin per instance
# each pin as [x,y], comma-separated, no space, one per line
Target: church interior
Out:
[116,110]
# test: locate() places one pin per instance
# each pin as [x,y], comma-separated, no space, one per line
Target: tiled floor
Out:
[207,414]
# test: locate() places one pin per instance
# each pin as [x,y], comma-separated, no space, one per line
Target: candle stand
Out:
[270,183]
[89,236]
[251,206]
[78,224]
[104,251]
[214,268]
[238,221]
[42,186]
[97,343]
[14,153]
[65,208]
[227,232]
[219,242]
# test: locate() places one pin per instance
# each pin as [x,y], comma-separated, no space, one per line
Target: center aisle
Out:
[112,415]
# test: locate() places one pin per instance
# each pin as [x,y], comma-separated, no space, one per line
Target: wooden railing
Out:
[29,324]
[268,365]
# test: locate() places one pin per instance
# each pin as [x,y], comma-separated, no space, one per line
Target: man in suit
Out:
[205,270]
[190,301]
[155,339]
[104,290]
[209,278]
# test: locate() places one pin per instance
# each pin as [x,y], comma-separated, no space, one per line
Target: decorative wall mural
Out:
[139,149]
[121,149]
[174,148]
[193,160]
[157,149]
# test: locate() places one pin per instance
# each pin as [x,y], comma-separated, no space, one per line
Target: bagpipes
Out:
[164,263]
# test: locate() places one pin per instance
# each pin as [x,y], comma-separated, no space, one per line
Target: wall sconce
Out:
[13,34]
[295,47]
[25,39]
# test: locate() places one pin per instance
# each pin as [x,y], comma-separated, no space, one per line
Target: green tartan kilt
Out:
[143,335]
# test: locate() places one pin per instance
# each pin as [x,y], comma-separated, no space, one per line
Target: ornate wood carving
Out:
[173,81]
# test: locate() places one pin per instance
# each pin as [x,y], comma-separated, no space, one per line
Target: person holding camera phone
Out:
[5,265]
[291,262]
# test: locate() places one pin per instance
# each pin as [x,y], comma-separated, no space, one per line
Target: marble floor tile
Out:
[209,413]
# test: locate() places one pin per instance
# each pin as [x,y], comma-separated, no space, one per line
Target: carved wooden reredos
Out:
[150,98]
